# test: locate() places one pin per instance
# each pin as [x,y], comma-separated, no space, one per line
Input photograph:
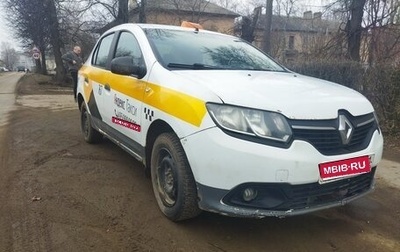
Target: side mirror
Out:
[125,66]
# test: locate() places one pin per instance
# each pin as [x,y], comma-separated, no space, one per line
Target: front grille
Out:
[285,197]
[325,137]
[302,196]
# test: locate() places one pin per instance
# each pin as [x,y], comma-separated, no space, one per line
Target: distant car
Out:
[20,69]
[4,69]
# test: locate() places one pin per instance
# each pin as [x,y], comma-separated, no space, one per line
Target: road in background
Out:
[8,82]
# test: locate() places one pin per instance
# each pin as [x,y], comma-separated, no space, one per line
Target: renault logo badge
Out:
[345,129]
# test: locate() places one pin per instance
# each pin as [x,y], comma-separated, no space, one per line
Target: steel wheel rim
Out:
[85,123]
[166,180]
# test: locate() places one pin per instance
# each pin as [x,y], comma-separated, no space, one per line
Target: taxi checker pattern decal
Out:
[149,114]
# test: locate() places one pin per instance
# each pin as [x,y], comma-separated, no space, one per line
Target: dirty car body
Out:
[224,128]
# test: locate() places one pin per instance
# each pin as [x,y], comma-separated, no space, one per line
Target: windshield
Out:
[176,49]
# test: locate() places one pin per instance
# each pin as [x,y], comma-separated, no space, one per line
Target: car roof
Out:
[158,26]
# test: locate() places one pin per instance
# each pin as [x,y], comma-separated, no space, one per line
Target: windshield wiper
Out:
[195,66]
[261,69]
[198,66]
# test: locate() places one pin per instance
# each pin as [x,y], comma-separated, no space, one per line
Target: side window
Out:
[128,46]
[102,51]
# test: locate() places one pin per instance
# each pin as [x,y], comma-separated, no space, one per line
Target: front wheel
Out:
[173,183]
[89,133]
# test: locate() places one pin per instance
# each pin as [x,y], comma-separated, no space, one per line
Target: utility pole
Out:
[268,25]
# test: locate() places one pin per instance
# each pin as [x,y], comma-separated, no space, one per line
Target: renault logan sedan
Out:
[224,128]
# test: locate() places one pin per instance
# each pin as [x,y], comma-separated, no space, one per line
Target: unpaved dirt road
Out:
[60,194]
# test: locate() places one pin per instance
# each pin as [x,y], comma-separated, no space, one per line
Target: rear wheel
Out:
[173,183]
[89,133]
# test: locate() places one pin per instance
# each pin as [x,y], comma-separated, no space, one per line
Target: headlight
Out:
[263,124]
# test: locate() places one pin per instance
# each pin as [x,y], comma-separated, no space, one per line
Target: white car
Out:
[224,128]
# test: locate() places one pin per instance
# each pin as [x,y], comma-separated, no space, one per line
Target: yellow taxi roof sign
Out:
[191,25]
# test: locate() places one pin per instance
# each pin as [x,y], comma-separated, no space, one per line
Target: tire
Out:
[173,183]
[90,135]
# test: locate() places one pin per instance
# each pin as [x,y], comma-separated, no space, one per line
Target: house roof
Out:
[300,24]
[188,6]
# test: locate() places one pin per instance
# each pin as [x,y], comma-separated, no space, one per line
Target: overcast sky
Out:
[5,34]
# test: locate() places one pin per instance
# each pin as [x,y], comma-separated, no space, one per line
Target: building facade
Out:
[210,16]
[297,37]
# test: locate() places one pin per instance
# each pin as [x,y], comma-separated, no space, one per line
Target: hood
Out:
[295,96]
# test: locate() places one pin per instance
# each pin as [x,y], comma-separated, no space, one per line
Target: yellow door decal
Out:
[185,107]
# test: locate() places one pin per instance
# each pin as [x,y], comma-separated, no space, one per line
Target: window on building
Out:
[291,42]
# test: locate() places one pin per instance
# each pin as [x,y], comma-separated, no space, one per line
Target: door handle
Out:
[107,87]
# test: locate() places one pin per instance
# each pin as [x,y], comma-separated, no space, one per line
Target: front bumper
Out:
[282,199]
[287,180]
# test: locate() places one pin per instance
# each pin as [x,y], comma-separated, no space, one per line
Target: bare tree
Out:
[78,22]
[123,11]
[30,22]
[351,12]
[54,37]
[286,7]
[117,9]
[142,13]
[8,55]
[47,24]
[371,33]
[383,36]
[232,5]
[354,29]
